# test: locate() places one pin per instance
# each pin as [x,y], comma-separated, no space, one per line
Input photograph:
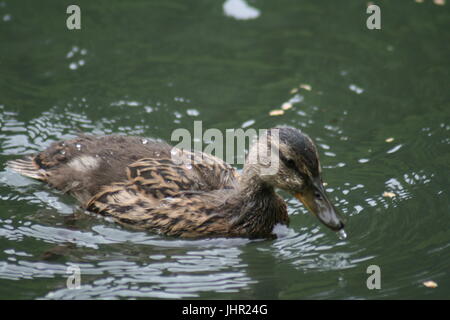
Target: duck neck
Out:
[257,206]
[253,187]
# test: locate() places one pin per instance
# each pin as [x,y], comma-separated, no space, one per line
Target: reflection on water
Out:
[240,10]
[379,117]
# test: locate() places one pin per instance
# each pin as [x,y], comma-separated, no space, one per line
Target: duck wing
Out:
[171,197]
[161,178]
[191,214]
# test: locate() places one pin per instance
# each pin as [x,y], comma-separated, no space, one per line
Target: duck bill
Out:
[315,199]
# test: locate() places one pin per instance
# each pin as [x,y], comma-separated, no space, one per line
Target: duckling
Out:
[139,183]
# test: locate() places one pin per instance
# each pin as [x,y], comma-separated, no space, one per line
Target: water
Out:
[342,234]
[376,103]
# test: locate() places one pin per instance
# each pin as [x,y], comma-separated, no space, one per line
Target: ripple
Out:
[177,276]
[394,149]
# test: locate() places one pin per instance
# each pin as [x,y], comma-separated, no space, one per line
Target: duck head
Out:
[287,159]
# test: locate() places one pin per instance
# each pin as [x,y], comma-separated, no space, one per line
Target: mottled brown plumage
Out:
[147,184]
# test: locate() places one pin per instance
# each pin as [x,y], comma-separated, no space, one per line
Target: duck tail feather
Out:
[28,167]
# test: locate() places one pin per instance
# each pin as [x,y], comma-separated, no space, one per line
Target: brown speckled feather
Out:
[192,214]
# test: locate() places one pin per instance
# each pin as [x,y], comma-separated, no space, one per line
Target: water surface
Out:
[376,103]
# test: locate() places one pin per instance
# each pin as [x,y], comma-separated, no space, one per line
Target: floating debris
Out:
[419,1]
[286,106]
[430,284]
[389,140]
[276,112]
[144,141]
[294,90]
[305,86]
[439,2]
[388,194]
[325,184]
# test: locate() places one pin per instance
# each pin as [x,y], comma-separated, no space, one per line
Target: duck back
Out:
[88,165]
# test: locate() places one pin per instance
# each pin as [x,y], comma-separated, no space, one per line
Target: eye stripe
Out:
[288,162]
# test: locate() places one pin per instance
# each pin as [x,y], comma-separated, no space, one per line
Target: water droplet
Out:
[192,112]
[342,234]
[356,89]
[73,66]
[144,141]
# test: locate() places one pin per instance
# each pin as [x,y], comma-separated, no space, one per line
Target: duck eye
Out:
[290,164]
[317,195]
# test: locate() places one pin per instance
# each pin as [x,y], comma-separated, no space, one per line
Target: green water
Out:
[150,67]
